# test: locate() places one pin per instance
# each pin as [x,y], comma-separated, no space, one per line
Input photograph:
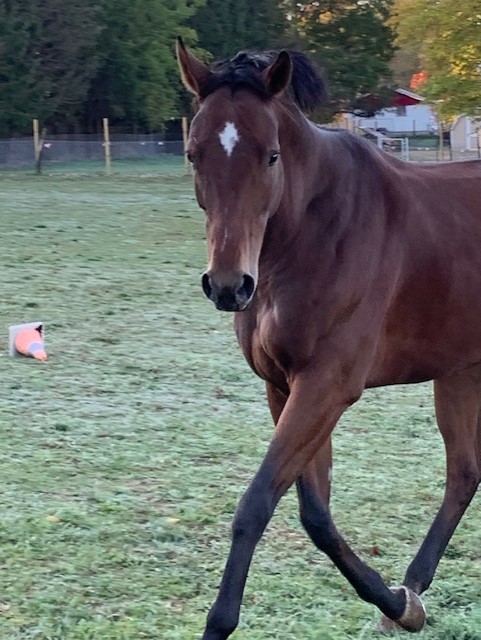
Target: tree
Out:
[137,83]
[68,56]
[404,64]
[72,63]
[224,28]
[47,59]
[351,41]
[17,68]
[447,35]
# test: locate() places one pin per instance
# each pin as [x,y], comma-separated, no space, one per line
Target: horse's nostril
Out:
[232,295]
[206,286]
[248,285]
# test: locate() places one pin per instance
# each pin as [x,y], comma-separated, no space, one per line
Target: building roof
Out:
[406,98]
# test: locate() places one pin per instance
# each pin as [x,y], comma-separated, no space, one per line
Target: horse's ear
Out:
[277,77]
[194,72]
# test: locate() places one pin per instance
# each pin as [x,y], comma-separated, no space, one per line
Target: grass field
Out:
[122,458]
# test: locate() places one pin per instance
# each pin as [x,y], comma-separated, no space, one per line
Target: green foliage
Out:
[447,38]
[72,63]
[18,67]
[223,28]
[138,81]
[351,40]
[48,58]
[66,44]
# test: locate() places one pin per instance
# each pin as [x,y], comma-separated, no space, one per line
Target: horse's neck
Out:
[328,178]
[312,169]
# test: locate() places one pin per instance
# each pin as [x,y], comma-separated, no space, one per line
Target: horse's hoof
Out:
[412,619]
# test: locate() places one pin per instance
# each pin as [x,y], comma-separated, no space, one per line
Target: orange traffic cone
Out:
[29,342]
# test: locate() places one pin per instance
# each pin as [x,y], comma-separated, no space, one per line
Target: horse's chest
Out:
[253,334]
[266,346]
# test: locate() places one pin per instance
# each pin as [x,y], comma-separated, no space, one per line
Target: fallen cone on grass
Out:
[29,342]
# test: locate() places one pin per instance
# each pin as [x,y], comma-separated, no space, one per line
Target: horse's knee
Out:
[247,528]
[252,515]
[321,530]
[315,517]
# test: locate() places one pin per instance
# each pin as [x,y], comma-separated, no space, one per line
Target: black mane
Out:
[307,88]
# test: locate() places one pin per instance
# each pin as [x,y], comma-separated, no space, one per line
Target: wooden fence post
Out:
[441,140]
[185,135]
[38,142]
[107,146]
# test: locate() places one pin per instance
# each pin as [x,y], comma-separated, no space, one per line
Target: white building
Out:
[465,134]
[407,116]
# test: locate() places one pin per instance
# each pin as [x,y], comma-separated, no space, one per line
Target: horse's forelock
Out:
[307,88]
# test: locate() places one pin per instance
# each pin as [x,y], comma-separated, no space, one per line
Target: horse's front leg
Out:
[313,487]
[314,490]
[305,423]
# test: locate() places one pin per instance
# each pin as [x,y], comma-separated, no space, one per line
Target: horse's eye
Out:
[273,158]
[190,158]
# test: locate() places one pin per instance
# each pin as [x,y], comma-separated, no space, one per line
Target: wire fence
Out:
[82,153]
[151,154]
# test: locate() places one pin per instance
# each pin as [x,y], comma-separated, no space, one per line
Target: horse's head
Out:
[235,151]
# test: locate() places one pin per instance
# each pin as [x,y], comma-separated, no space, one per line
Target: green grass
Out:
[122,458]
[163,164]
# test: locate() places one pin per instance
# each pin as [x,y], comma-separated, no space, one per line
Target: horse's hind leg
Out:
[458,412]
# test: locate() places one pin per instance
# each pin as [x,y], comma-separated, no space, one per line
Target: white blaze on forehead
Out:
[229,137]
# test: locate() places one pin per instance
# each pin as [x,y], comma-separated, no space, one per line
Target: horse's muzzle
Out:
[234,296]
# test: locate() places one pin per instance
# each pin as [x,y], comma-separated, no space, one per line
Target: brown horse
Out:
[347,269]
